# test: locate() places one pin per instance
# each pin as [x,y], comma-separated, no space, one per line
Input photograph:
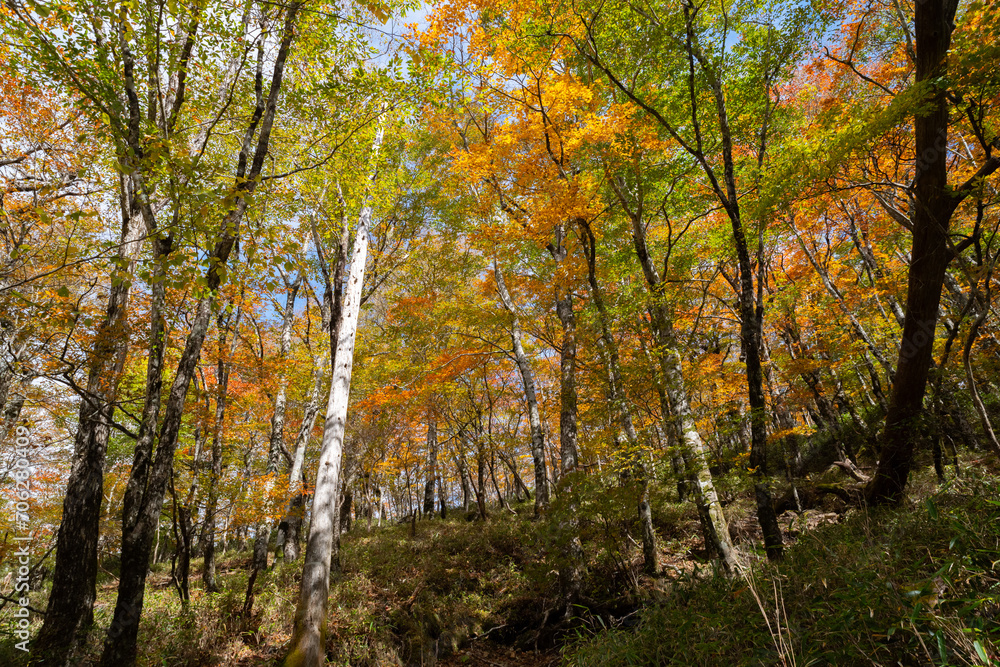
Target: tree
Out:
[307,645]
[530,396]
[935,203]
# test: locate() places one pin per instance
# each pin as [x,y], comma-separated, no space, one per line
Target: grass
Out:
[916,585]
[400,599]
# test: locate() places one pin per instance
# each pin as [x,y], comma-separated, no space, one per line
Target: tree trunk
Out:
[518,482]
[530,397]
[432,452]
[291,525]
[145,492]
[481,479]
[674,399]
[222,395]
[568,531]
[608,347]
[501,499]
[714,523]
[276,443]
[147,482]
[442,501]
[71,601]
[185,522]
[11,412]
[568,456]
[726,189]
[649,560]
[346,502]
[307,648]
[463,473]
[331,308]
[930,254]
[977,401]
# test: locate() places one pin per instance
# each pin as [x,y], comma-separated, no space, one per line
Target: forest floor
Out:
[914,585]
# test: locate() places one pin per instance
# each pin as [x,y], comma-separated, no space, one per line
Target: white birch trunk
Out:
[308,641]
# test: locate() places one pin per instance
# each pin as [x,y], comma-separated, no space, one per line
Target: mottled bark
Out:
[674,398]
[307,646]
[10,414]
[70,607]
[649,559]
[722,179]
[696,453]
[530,397]
[568,453]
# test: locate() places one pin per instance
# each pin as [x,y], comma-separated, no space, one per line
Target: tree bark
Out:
[147,482]
[674,398]
[71,601]
[481,478]
[568,531]
[291,525]
[432,452]
[977,401]
[530,397]
[463,472]
[726,191]
[307,647]
[930,253]
[331,309]
[518,482]
[11,413]
[222,395]
[276,442]
[608,347]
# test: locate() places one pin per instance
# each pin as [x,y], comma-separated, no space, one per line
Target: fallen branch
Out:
[852,471]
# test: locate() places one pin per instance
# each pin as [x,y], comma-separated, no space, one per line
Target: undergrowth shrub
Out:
[403,598]
[916,585]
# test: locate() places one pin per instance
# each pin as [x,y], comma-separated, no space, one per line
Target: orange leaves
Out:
[534,127]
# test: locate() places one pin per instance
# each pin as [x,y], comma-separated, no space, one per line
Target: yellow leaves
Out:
[379,10]
[798,429]
[533,125]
